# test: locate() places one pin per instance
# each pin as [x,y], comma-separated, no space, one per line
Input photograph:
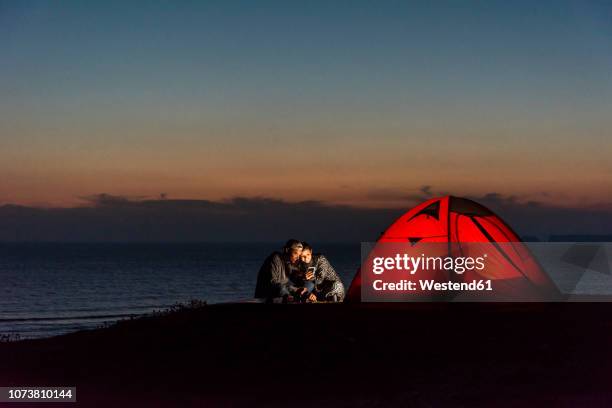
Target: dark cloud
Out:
[117,218]
[238,219]
[104,199]
[426,190]
[410,196]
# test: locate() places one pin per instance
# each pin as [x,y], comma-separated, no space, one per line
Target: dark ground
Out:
[364,355]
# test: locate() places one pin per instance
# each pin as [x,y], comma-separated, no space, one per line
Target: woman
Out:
[328,285]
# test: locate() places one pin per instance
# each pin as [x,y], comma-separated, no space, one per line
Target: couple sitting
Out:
[298,275]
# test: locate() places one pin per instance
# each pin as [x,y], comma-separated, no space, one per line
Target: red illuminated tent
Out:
[457,220]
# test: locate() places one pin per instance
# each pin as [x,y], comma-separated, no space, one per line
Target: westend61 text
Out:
[430,285]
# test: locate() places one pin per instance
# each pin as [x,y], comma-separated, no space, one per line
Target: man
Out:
[273,277]
[328,285]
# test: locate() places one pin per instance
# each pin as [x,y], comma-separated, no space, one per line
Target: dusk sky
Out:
[358,103]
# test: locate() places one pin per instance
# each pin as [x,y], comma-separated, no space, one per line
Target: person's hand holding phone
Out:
[310,274]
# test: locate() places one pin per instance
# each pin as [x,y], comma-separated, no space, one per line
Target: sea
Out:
[47,289]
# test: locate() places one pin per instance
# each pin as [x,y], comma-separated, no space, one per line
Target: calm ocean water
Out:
[49,289]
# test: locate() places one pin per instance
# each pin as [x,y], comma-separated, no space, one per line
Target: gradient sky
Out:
[347,102]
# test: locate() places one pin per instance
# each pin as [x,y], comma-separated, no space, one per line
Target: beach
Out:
[421,354]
